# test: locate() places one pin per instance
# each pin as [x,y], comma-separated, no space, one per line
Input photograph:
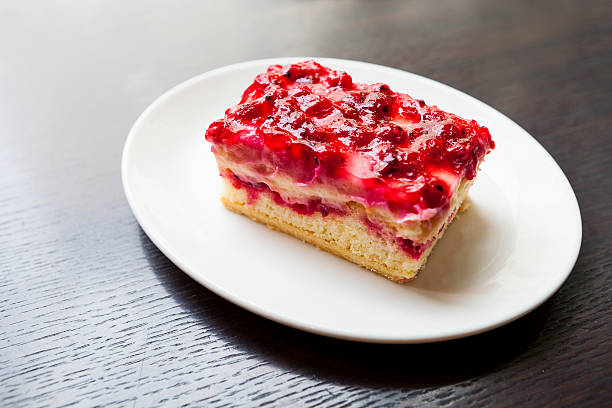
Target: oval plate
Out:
[502,258]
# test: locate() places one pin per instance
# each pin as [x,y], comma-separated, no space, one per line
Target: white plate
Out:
[501,259]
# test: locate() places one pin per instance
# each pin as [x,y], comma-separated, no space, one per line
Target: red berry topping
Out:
[315,125]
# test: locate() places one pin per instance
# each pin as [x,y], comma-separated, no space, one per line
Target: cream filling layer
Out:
[418,231]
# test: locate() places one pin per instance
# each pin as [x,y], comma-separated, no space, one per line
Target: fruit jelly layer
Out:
[315,127]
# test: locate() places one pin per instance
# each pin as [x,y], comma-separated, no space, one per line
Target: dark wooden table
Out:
[92,314]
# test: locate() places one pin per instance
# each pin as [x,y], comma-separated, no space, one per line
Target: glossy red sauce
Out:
[316,126]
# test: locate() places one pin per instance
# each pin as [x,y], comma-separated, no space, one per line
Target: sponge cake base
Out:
[344,235]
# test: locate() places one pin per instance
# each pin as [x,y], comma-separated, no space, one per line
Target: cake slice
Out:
[369,174]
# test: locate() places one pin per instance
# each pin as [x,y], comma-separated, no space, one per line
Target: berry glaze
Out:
[316,127]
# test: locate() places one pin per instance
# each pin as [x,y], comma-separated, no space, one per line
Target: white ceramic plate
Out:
[501,259]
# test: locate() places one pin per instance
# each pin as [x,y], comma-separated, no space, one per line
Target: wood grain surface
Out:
[92,314]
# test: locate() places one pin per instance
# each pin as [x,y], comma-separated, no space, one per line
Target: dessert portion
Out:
[359,170]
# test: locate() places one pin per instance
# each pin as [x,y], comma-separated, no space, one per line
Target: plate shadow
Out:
[345,362]
[469,256]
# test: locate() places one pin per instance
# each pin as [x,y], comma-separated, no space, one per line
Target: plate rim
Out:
[279,318]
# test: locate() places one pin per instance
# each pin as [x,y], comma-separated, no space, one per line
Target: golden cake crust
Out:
[345,236]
